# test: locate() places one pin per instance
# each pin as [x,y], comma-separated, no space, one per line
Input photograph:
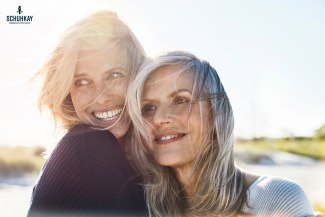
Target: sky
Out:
[270,56]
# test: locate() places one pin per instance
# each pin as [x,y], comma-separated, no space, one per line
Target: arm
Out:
[87,173]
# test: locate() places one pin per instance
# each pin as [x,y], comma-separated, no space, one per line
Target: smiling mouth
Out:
[108,115]
[169,138]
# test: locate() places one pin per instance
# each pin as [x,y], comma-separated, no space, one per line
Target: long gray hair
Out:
[219,187]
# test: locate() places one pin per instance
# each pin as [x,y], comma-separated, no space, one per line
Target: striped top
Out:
[273,196]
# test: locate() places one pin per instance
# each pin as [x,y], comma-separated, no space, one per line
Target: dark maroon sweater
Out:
[87,174]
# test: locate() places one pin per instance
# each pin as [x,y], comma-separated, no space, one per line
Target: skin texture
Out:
[168,107]
[99,88]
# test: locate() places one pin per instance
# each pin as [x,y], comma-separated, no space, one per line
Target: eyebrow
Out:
[176,92]
[79,75]
[180,91]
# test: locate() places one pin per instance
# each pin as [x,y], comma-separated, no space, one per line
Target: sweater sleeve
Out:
[274,196]
[87,174]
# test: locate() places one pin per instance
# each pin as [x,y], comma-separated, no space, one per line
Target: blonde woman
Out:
[86,79]
[184,124]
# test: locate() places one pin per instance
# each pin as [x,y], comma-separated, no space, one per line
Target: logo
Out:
[19,10]
[19,19]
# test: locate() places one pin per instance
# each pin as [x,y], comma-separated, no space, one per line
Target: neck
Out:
[122,140]
[125,144]
[186,179]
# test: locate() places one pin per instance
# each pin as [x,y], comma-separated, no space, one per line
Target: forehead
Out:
[104,57]
[168,79]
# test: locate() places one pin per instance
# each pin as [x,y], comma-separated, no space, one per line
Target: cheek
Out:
[149,132]
[122,89]
[75,101]
[200,128]
[80,101]
[118,88]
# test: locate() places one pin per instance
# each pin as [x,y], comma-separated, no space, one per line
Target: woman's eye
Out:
[181,100]
[80,82]
[115,75]
[147,108]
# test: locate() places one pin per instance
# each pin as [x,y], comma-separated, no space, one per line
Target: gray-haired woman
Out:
[184,130]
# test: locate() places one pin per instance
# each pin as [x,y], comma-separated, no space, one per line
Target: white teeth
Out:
[164,138]
[109,115]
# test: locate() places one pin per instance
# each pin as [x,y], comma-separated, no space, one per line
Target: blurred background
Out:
[269,54]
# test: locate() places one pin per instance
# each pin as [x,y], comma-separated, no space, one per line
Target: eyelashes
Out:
[147,108]
[114,75]
[109,77]
[179,103]
[80,82]
[181,100]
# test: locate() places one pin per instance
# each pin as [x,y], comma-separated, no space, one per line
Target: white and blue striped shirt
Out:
[273,196]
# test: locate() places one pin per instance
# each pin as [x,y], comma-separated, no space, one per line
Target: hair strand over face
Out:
[101,29]
[220,184]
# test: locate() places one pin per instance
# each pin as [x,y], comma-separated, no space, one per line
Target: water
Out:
[14,200]
[15,194]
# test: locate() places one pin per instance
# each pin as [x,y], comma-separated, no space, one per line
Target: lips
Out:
[168,137]
[108,115]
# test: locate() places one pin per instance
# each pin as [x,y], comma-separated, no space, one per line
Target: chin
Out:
[166,161]
[120,130]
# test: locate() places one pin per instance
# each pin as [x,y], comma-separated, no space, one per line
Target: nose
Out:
[102,93]
[162,116]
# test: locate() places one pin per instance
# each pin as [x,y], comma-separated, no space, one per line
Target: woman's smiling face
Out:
[99,89]
[177,126]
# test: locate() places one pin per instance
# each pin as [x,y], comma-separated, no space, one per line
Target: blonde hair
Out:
[220,189]
[100,29]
